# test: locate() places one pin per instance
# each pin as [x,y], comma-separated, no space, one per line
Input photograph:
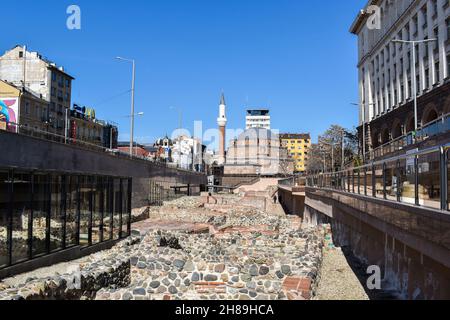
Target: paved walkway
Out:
[338,280]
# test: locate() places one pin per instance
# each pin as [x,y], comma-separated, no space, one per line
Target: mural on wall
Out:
[9,109]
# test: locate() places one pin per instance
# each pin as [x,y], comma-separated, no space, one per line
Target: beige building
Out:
[43,79]
[386,79]
[258,151]
[21,106]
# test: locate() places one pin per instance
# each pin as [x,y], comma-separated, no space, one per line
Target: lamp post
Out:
[413,75]
[132,116]
[132,102]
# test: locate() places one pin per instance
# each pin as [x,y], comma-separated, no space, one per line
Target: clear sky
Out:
[295,57]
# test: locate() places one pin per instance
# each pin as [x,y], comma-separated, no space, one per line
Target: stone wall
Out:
[407,243]
[102,270]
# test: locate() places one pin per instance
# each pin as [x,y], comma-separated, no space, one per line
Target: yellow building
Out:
[298,146]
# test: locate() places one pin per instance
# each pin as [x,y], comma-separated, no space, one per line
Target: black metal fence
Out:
[45,212]
[419,178]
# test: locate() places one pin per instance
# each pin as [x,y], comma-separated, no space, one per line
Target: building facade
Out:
[85,127]
[188,153]
[257,118]
[18,105]
[42,78]
[297,146]
[258,151]
[385,67]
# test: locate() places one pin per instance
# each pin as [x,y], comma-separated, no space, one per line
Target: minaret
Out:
[222,122]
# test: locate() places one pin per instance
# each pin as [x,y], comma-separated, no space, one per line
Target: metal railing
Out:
[49,136]
[435,127]
[418,178]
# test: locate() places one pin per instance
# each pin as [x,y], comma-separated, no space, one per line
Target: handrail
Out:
[427,177]
[420,134]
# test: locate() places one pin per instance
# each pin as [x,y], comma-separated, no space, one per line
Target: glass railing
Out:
[438,126]
[419,178]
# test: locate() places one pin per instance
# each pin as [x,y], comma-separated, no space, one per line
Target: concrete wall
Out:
[411,245]
[25,152]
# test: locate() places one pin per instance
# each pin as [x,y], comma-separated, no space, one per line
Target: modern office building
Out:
[42,78]
[386,66]
[257,118]
[298,146]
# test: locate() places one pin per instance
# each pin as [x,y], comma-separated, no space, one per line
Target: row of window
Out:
[42,213]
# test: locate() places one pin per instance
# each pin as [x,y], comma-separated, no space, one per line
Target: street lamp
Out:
[132,102]
[139,114]
[363,107]
[413,75]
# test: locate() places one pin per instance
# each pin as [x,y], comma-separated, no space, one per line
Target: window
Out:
[53,76]
[21,54]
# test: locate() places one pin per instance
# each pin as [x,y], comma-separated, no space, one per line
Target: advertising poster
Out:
[9,111]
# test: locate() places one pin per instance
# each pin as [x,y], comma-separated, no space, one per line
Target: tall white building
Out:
[385,79]
[257,118]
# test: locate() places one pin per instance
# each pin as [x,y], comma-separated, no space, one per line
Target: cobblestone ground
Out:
[193,248]
[226,251]
[338,280]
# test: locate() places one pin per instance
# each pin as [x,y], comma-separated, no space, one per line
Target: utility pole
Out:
[132,103]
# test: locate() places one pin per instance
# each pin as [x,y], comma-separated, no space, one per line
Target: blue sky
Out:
[295,57]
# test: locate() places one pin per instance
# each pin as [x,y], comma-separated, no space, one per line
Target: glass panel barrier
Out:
[107,205]
[22,192]
[369,181]
[71,210]
[56,213]
[117,209]
[356,181]
[391,175]
[407,180]
[125,209]
[429,180]
[379,188]
[4,213]
[97,211]
[41,207]
[85,209]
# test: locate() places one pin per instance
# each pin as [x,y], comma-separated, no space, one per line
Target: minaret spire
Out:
[222,123]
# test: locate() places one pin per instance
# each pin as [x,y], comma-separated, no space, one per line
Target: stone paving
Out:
[189,252]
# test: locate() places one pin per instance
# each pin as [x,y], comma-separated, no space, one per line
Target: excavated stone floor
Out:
[193,249]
